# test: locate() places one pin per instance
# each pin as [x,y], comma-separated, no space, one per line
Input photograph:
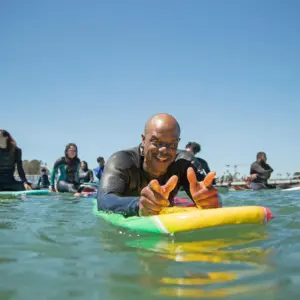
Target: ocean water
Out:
[55,248]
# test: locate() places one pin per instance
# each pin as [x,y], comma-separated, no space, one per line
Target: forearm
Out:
[21,172]
[261,172]
[52,177]
[128,206]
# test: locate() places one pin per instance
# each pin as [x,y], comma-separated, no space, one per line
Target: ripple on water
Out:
[54,248]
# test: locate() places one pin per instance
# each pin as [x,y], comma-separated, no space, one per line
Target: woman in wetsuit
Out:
[68,167]
[85,175]
[10,156]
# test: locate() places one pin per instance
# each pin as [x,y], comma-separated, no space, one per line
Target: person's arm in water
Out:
[113,186]
[262,173]
[20,168]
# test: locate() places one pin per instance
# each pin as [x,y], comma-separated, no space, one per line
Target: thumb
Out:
[170,185]
[191,176]
[208,180]
[154,185]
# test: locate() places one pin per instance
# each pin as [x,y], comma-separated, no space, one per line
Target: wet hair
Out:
[43,170]
[71,161]
[195,147]
[261,155]
[86,164]
[68,147]
[11,143]
[99,159]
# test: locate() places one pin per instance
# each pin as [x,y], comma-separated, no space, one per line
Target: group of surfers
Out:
[140,181]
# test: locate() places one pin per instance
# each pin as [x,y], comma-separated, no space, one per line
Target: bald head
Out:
[159,143]
[162,122]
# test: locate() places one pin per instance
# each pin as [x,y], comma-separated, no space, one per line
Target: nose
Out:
[162,150]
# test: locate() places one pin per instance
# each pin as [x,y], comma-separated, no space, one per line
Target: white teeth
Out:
[161,159]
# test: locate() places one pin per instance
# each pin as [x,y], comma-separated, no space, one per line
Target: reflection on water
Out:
[55,248]
[216,263]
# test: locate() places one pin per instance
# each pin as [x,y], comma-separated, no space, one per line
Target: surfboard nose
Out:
[269,214]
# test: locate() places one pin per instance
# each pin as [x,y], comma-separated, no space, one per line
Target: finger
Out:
[170,185]
[191,176]
[154,197]
[146,211]
[154,185]
[208,180]
[212,202]
[147,204]
[205,193]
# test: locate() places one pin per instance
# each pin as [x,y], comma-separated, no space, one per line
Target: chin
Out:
[159,172]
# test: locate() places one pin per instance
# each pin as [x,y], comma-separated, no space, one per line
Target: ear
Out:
[143,140]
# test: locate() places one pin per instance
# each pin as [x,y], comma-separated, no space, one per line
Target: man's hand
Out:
[154,197]
[203,193]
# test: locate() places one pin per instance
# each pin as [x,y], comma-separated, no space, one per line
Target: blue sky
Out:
[92,72]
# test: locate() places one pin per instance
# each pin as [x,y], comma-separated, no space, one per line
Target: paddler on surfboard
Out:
[10,157]
[260,172]
[143,180]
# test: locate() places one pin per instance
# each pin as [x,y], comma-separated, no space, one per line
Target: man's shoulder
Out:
[124,158]
[255,163]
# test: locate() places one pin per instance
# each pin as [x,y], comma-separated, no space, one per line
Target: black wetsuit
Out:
[68,180]
[204,164]
[43,181]
[263,172]
[124,178]
[8,161]
[85,175]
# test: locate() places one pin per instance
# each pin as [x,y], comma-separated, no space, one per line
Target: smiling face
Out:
[160,143]
[72,152]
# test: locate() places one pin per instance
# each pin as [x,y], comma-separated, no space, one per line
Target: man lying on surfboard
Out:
[141,181]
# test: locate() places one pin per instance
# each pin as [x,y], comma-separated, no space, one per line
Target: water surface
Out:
[54,248]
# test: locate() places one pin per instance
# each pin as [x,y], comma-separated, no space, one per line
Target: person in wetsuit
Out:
[195,148]
[43,181]
[141,181]
[99,170]
[10,157]
[85,175]
[260,172]
[68,167]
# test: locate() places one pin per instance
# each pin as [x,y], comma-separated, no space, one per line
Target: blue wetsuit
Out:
[99,172]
